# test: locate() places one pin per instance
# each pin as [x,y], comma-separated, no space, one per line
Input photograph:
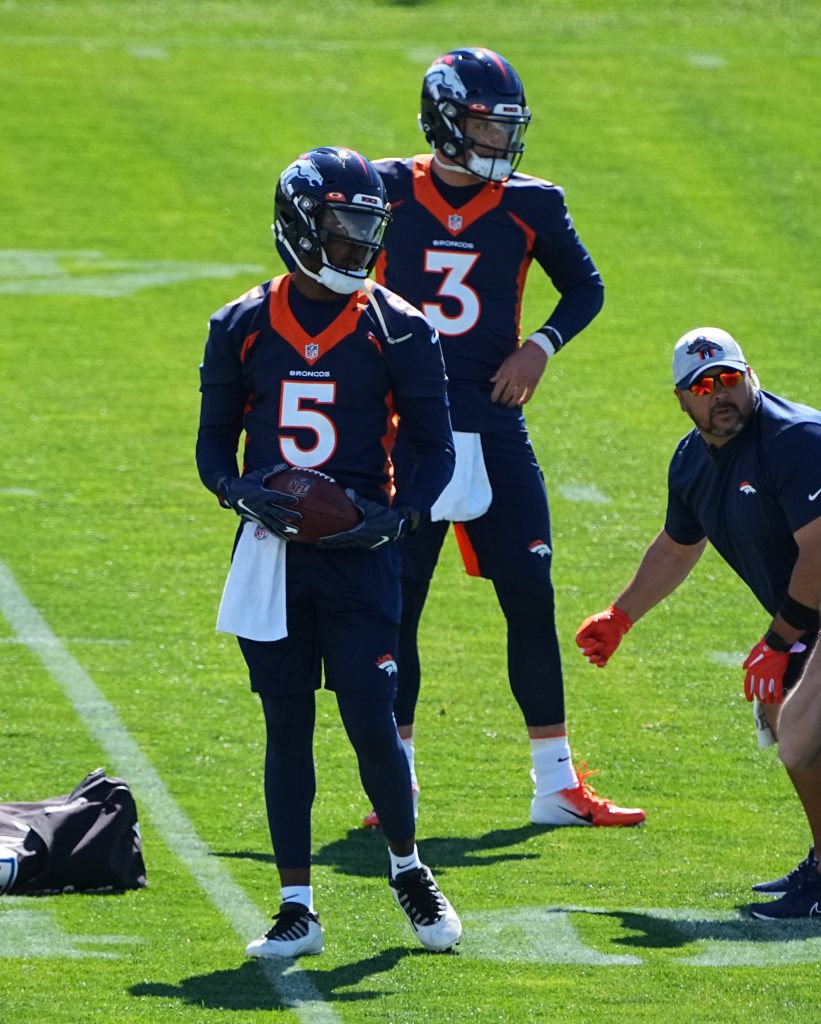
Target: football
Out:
[324,506]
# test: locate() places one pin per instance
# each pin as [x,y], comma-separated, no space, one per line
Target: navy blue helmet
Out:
[332,195]
[474,112]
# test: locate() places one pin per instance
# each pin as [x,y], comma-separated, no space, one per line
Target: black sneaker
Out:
[804,901]
[296,932]
[787,883]
[427,909]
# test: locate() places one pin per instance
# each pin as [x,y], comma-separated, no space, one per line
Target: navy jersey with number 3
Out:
[465,268]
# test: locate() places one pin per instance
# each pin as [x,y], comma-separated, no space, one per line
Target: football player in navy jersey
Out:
[466,229]
[747,479]
[313,367]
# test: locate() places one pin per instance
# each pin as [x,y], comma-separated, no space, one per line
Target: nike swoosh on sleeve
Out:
[812,497]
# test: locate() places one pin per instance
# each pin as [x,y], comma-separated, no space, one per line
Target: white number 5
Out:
[293,414]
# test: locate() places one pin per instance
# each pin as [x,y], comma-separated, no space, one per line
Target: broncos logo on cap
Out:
[704,348]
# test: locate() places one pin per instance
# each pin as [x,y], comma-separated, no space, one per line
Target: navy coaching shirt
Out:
[465,266]
[327,400]
[751,495]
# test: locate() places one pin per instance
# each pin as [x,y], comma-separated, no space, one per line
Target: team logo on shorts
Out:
[387,664]
[260,533]
[538,547]
[747,488]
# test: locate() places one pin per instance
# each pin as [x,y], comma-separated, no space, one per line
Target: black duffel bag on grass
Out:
[87,840]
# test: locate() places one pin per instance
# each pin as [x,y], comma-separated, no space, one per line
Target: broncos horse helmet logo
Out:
[704,348]
[303,168]
[444,82]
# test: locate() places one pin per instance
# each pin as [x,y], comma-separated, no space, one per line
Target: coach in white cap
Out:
[747,479]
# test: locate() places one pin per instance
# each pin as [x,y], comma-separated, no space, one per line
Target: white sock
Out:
[407,746]
[303,894]
[405,863]
[552,765]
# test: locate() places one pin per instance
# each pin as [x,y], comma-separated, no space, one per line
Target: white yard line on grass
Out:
[292,986]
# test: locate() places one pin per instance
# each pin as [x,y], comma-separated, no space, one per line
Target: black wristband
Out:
[776,642]
[799,616]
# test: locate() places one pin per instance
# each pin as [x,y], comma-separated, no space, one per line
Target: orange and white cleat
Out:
[372,820]
[582,806]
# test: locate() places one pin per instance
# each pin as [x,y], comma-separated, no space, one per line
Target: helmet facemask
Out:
[490,145]
[350,239]
[345,239]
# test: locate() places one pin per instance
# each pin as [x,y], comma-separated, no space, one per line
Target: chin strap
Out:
[328,276]
[486,163]
[342,284]
[454,168]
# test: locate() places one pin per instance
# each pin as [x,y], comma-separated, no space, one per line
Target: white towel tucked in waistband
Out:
[253,601]
[468,495]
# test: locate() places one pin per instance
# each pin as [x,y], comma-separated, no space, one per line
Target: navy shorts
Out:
[343,611]
[512,540]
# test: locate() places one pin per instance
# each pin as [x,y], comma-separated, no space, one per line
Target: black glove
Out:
[248,497]
[380,525]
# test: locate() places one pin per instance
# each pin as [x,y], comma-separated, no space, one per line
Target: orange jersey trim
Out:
[453,219]
[290,330]
[249,341]
[530,235]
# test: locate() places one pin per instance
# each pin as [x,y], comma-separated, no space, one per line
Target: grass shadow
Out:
[362,851]
[264,984]
[673,930]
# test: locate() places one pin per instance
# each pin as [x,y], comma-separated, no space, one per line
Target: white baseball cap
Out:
[701,348]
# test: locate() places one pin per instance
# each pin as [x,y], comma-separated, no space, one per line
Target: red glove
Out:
[600,635]
[765,673]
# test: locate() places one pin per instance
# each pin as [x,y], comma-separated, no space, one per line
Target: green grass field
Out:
[141,143]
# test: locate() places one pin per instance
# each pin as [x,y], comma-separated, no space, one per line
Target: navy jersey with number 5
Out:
[326,400]
[465,266]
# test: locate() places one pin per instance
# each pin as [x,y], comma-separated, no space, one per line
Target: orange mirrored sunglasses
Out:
[706,385]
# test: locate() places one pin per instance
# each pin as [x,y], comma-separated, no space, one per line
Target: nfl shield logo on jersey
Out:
[311,352]
[455,222]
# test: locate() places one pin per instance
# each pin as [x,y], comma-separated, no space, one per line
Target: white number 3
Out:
[455,266]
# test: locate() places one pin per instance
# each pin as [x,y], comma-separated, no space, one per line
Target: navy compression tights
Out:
[290,778]
[533,660]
